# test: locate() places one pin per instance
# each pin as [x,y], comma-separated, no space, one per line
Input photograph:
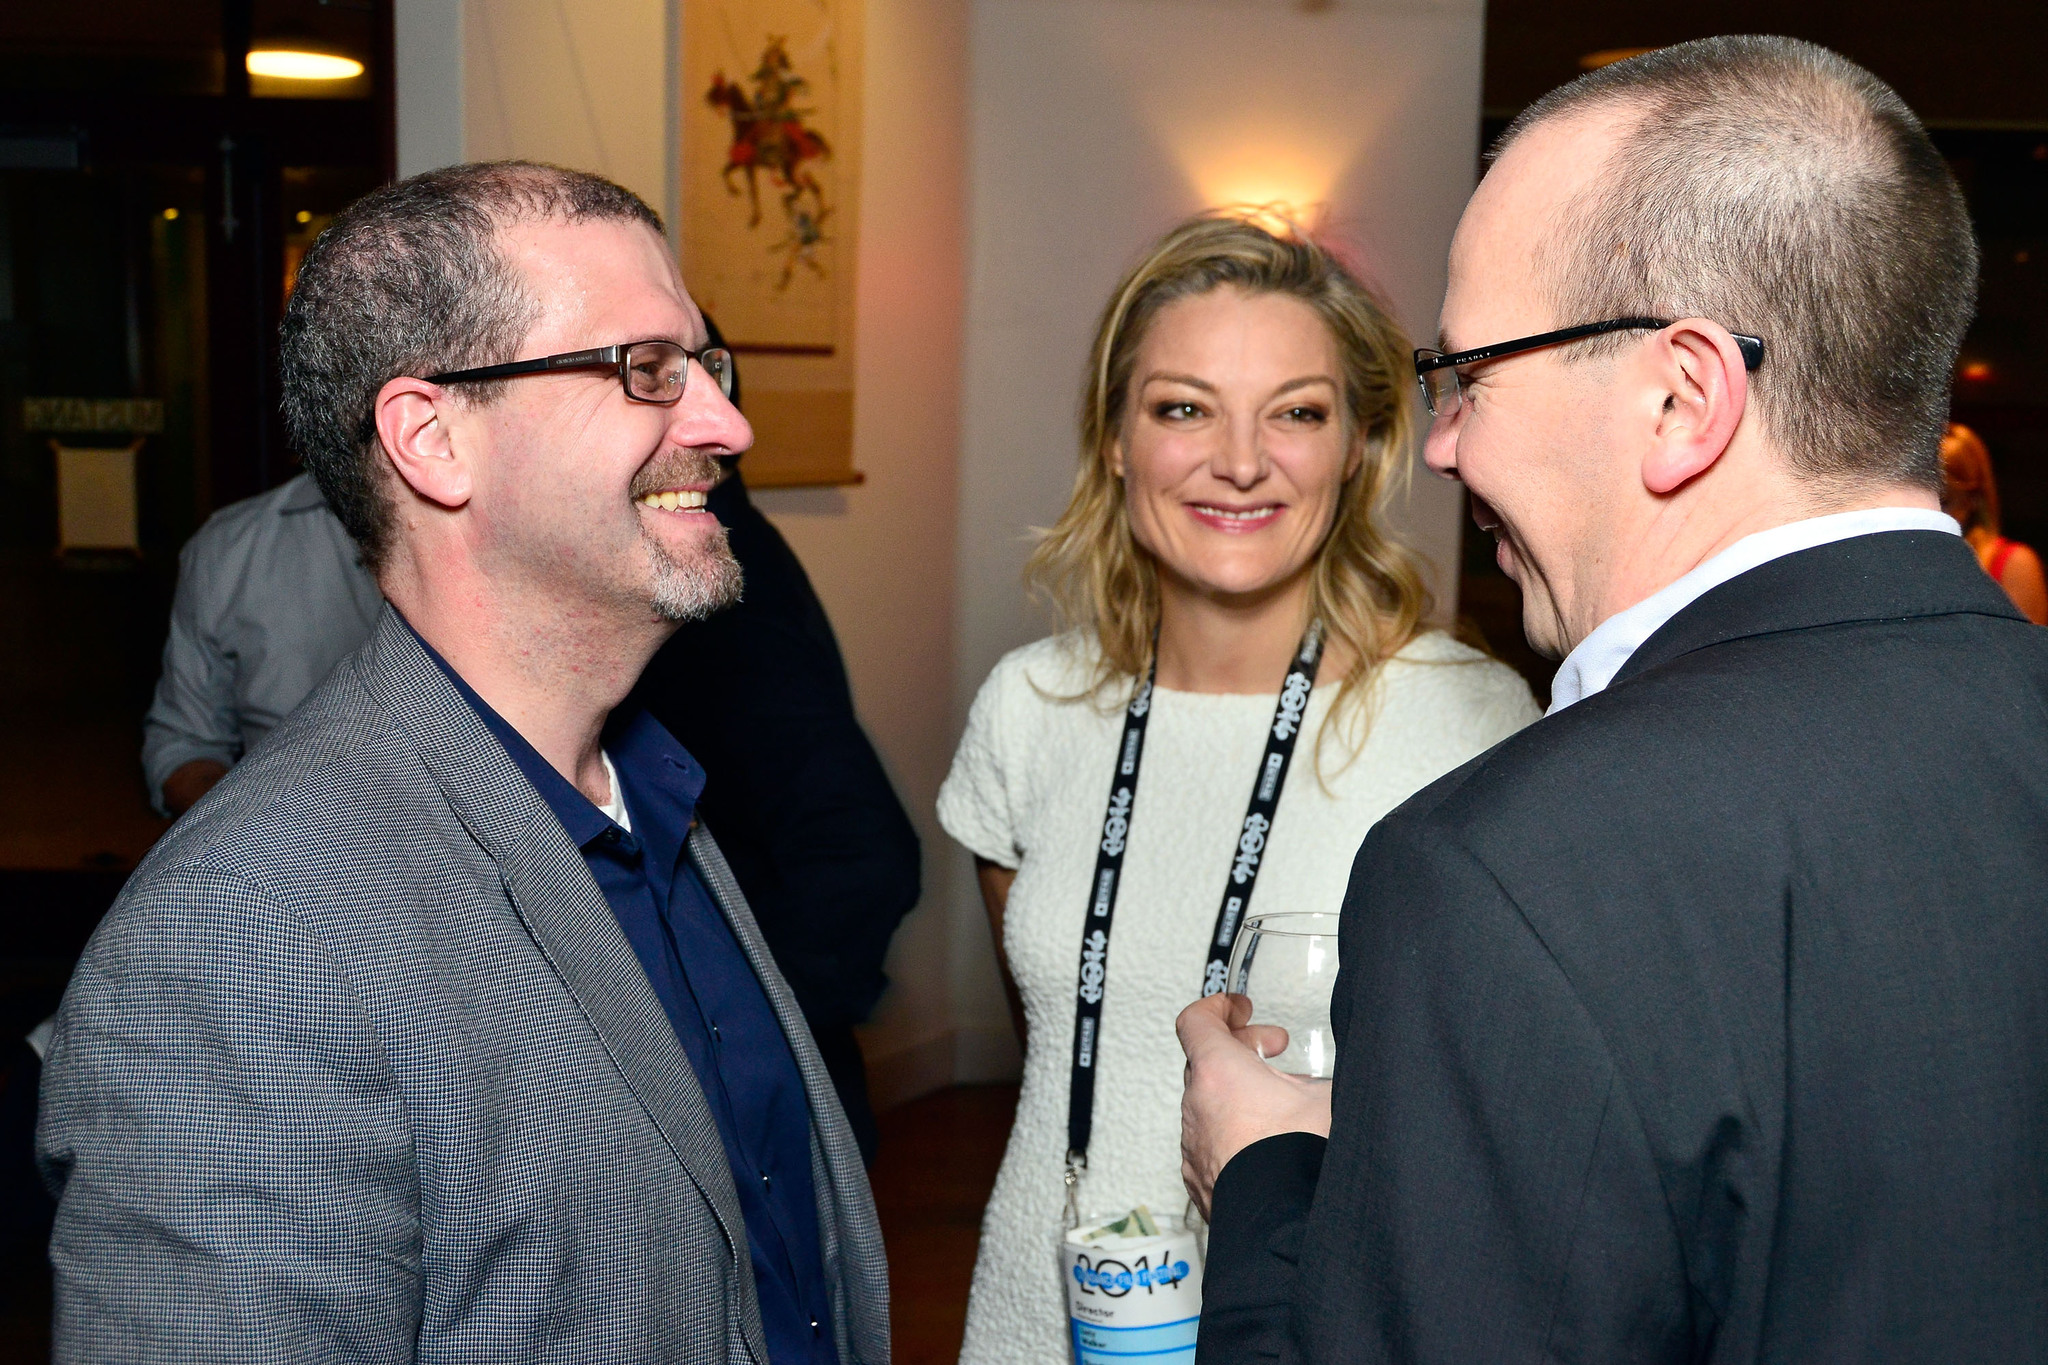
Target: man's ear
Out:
[1706,391]
[417,442]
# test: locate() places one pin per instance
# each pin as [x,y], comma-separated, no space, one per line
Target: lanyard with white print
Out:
[1252,838]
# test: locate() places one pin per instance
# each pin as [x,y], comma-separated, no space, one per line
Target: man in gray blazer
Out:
[439,1030]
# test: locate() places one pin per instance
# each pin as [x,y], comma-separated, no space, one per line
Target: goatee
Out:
[691,591]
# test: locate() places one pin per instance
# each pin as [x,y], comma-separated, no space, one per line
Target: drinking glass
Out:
[1287,963]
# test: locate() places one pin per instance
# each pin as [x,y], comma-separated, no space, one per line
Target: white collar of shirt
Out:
[615,809]
[1590,667]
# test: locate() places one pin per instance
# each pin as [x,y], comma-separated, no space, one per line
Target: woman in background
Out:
[1247,414]
[1971,497]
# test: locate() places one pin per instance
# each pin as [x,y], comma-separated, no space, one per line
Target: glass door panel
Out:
[103,476]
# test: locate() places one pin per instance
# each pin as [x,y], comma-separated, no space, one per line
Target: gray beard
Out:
[692,591]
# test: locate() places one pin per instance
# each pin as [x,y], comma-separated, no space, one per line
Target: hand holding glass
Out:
[1287,963]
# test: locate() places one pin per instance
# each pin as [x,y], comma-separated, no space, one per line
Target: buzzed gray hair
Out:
[1782,190]
[409,280]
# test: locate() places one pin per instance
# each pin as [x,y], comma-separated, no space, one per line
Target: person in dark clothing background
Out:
[822,847]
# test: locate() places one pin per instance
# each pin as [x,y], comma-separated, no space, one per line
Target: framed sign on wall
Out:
[770,188]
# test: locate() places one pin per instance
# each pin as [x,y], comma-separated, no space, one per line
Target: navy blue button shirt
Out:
[712,998]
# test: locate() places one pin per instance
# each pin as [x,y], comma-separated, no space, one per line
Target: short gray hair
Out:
[1779,189]
[409,280]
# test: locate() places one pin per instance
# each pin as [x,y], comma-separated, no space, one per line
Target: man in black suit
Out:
[1706,1019]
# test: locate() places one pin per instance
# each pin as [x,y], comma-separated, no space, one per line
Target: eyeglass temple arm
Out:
[1590,329]
[584,360]
[603,356]
[1751,347]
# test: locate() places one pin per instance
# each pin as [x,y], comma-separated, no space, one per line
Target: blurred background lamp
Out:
[295,61]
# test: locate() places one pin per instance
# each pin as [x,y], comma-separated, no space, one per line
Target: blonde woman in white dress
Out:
[1247,415]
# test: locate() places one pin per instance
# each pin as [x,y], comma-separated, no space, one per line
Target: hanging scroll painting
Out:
[769,177]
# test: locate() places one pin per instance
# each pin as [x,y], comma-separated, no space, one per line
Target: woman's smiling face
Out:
[1233,451]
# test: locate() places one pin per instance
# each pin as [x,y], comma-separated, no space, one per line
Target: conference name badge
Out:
[1134,1289]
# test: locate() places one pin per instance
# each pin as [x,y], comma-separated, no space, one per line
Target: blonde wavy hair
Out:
[1363,585]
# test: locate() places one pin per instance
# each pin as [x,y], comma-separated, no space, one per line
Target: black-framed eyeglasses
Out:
[649,371]
[1443,390]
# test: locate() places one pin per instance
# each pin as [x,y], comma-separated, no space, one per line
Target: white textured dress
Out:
[1027,791]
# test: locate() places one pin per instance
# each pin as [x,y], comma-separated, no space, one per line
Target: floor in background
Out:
[71,791]
[936,1165]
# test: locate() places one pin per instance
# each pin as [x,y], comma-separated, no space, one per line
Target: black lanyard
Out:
[1252,837]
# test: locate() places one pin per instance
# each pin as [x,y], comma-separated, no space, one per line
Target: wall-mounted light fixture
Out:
[1281,186]
[1280,217]
[1274,148]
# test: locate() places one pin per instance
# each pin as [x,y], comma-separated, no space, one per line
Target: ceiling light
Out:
[294,64]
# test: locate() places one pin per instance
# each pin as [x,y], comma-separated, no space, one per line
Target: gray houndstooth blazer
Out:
[361,1068]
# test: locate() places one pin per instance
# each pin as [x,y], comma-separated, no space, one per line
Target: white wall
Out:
[1018,154]
[428,42]
[573,82]
[881,554]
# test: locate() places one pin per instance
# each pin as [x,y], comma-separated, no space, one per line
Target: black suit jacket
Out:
[1705,1020]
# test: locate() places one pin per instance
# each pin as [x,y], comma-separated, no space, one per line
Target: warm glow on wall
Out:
[292,65]
[1289,184]
[1277,216]
[1282,145]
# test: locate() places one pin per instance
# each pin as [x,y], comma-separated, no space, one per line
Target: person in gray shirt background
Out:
[271,596]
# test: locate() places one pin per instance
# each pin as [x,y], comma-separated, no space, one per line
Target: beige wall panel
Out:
[572,82]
